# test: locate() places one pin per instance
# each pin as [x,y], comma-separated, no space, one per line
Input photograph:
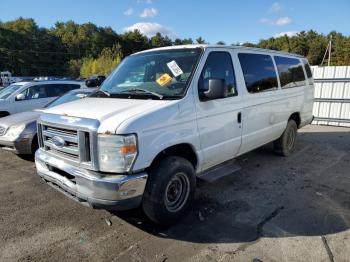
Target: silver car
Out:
[18,132]
[26,96]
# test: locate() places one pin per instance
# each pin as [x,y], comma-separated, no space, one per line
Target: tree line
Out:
[71,49]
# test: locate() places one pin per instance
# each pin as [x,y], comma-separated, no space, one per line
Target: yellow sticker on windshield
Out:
[164,79]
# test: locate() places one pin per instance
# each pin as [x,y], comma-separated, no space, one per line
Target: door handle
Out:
[239,117]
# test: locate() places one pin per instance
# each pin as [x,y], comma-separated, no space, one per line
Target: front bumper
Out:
[93,189]
[21,146]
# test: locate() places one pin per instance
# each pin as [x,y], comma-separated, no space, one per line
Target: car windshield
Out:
[7,91]
[161,74]
[70,96]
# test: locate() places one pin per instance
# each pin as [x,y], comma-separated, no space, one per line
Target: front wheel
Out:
[169,190]
[285,145]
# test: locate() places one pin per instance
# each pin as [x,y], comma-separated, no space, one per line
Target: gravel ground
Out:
[274,209]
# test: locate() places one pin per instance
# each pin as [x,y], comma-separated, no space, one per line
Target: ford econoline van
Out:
[169,116]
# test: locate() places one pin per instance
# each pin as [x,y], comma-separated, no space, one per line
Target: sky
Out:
[215,20]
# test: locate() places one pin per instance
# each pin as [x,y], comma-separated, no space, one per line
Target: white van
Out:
[168,116]
[26,96]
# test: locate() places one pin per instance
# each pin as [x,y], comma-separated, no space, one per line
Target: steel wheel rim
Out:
[177,192]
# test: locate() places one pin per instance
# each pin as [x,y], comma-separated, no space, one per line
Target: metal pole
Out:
[325,53]
[330,51]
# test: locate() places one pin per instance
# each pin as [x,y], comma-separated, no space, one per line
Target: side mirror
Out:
[20,97]
[95,81]
[214,88]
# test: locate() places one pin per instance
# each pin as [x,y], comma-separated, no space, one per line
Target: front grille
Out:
[74,144]
[2,131]
[71,139]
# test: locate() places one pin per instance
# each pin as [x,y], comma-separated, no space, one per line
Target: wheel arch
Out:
[296,117]
[4,113]
[184,150]
[35,143]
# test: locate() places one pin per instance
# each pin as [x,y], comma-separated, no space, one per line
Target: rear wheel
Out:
[169,190]
[285,145]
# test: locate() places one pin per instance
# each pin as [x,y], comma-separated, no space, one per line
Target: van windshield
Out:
[7,91]
[161,74]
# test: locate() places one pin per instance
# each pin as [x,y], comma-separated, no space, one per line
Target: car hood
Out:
[115,110]
[20,118]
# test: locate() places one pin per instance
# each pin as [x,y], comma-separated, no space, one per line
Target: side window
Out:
[60,89]
[35,92]
[219,65]
[72,87]
[259,72]
[308,71]
[290,71]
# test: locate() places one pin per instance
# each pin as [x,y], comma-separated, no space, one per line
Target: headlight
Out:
[15,131]
[116,153]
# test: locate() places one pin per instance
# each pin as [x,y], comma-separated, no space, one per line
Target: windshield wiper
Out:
[102,92]
[144,91]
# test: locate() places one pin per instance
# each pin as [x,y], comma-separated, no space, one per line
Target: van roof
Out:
[221,46]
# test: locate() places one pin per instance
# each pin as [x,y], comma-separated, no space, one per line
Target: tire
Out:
[35,145]
[285,145]
[169,190]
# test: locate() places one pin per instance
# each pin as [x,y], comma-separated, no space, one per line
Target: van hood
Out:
[115,110]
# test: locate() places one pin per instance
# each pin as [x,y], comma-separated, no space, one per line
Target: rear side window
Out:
[308,71]
[219,65]
[290,71]
[259,72]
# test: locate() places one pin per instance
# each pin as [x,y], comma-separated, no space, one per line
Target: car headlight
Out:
[116,153]
[15,131]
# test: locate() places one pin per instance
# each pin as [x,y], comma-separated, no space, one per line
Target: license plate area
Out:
[62,173]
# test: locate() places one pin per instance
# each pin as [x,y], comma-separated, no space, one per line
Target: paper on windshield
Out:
[174,68]
[164,79]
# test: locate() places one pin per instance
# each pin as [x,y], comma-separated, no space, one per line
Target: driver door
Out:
[218,120]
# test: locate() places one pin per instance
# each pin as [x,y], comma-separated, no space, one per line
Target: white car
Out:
[146,140]
[26,96]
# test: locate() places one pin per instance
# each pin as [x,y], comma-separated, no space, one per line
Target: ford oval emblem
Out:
[58,141]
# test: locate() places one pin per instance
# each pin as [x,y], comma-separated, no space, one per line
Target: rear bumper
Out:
[306,122]
[93,189]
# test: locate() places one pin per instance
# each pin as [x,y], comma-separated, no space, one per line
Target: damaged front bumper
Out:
[93,189]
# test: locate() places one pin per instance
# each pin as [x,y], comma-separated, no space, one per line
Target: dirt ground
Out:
[274,209]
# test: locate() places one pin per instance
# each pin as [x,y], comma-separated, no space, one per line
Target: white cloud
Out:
[283,21]
[288,33]
[149,12]
[276,7]
[266,21]
[129,11]
[280,21]
[151,29]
